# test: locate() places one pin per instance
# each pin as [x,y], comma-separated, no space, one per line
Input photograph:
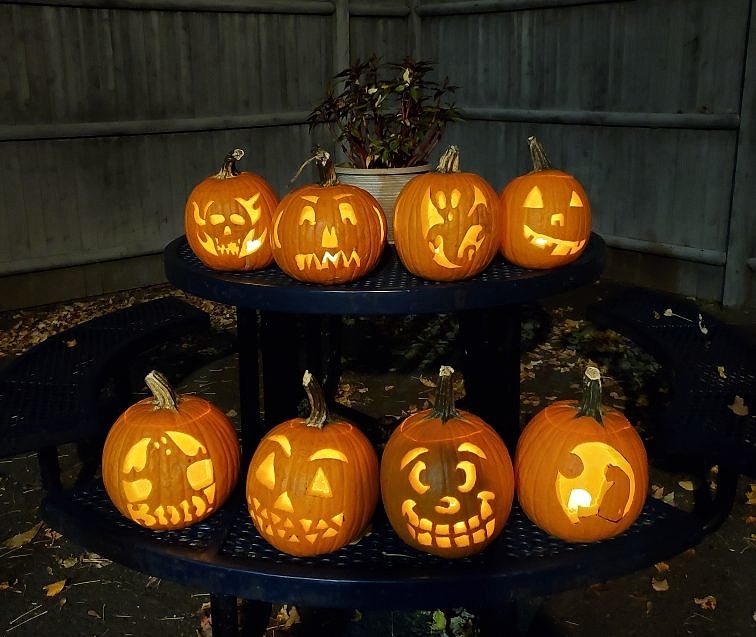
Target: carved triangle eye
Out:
[575,200]
[534,198]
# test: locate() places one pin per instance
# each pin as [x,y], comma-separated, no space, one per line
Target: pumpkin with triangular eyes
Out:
[447,222]
[170,460]
[228,218]
[328,232]
[312,484]
[547,215]
[447,480]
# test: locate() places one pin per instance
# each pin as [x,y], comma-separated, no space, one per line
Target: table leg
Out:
[223,609]
[491,368]
[247,329]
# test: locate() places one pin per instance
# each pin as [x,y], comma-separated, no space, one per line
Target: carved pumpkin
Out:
[447,481]
[228,219]
[547,215]
[328,233]
[447,223]
[581,470]
[312,484]
[169,461]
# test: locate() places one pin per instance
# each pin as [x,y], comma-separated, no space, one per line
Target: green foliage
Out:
[388,115]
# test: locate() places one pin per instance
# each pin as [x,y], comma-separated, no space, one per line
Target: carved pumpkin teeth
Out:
[270,524]
[338,259]
[561,247]
[460,534]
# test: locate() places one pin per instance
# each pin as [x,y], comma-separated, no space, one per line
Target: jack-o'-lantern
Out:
[328,232]
[312,483]
[228,218]
[170,460]
[581,469]
[447,481]
[547,215]
[447,223]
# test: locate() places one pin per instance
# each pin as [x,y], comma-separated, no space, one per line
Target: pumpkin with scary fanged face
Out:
[581,470]
[170,461]
[312,484]
[447,223]
[547,215]
[328,233]
[447,481]
[228,218]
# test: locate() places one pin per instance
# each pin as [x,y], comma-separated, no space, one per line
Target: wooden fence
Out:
[113,109]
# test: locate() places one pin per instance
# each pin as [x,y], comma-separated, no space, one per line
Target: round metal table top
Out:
[388,289]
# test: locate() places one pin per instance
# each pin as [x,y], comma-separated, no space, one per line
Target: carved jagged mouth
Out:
[559,247]
[460,534]
[240,248]
[295,531]
[311,260]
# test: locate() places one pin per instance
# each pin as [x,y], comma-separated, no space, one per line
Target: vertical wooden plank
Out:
[741,243]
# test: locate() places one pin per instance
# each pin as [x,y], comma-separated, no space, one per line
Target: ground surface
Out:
[49,585]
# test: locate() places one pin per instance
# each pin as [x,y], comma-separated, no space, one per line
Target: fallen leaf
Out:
[706,603]
[751,495]
[721,372]
[71,343]
[389,387]
[439,621]
[660,585]
[51,590]
[657,491]
[662,567]
[669,498]
[21,539]
[738,407]
[94,613]
[750,519]
[687,485]
[4,586]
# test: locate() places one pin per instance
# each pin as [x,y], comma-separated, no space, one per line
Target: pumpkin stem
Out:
[319,415]
[590,403]
[229,165]
[538,155]
[449,161]
[325,167]
[165,397]
[444,408]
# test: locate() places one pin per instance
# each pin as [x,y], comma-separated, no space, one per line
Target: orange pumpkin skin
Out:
[563,455]
[447,223]
[170,461]
[312,488]
[228,219]
[330,232]
[447,480]
[547,216]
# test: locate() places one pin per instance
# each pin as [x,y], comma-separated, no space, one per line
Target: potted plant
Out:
[387,119]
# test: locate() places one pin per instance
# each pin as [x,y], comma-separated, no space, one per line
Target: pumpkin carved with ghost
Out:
[447,481]
[547,215]
[228,219]
[581,469]
[170,460]
[447,223]
[312,483]
[329,232]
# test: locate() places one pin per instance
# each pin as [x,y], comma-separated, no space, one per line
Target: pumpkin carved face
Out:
[228,219]
[547,216]
[447,223]
[311,489]
[447,484]
[581,472]
[170,461]
[331,233]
